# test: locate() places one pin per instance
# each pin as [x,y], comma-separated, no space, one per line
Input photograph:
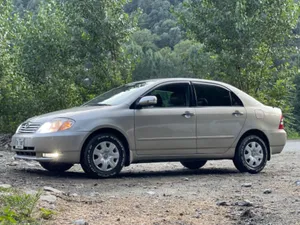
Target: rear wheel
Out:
[193,165]
[56,166]
[251,155]
[103,156]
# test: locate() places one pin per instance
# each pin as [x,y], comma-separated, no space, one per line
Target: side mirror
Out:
[147,101]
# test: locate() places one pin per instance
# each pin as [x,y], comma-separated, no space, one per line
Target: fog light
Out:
[51,155]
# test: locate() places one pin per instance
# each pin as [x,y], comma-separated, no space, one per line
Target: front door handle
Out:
[188,114]
[237,113]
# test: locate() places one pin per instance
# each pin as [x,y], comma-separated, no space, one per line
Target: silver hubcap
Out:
[253,154]
[106,156]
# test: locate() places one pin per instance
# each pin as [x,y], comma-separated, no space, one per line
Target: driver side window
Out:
[172,95]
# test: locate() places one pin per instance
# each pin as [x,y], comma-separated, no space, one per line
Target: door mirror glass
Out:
[148,101]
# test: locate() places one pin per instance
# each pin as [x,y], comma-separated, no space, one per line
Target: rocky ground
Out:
[166,193]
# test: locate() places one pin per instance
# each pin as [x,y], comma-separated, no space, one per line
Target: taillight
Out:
[281,125]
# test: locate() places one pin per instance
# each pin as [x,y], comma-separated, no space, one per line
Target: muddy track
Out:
[166,193]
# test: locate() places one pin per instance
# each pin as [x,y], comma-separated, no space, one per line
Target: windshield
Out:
[118,95]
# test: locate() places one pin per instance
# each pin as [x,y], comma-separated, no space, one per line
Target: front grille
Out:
[26,153]
[29,127]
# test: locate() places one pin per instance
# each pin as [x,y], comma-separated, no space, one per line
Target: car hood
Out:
[72,113]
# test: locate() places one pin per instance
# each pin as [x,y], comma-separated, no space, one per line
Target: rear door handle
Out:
[188,114]
[237,113]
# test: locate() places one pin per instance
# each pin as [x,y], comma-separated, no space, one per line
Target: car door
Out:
[169,127]
[220,118]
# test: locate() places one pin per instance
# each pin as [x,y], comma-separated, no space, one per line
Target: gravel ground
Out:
[166,193]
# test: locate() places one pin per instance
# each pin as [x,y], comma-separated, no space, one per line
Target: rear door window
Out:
[211,95]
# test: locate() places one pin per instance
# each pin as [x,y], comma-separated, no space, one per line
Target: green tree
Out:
[15,92]
[60,55]
[296,101]
[145,39]
[249,40]
[157,17]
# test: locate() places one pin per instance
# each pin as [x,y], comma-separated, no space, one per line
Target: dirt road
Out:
[166,193]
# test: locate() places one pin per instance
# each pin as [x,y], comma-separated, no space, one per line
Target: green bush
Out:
[16,207]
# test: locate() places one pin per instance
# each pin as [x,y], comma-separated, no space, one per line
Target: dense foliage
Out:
[59,53]
[251,44]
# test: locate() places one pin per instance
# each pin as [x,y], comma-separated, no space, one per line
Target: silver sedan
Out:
[185,120]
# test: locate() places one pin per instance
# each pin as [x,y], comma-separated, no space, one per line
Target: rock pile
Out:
[5,141]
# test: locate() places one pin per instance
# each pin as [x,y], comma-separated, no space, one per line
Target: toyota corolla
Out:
[185,120]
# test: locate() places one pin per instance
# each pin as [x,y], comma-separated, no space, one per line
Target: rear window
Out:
[247,99]
[236,101]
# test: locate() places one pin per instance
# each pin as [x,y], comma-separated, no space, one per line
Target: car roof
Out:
[161,80]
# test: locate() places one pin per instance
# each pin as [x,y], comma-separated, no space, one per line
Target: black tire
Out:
[193,165]
[244,164]
[56,167]
[88,163]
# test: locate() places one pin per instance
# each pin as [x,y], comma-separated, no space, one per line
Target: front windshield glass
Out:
[118,95]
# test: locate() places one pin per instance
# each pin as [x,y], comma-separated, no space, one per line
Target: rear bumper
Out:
[276,149]
[66,144]
[277,140]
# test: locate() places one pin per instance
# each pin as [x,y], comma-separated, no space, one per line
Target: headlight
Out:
[56,125]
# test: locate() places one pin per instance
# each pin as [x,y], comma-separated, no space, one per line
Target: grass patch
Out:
[19,208]
[5,190]
[46,214]
[293,135]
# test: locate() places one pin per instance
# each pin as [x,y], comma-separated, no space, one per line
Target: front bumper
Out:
[67,144]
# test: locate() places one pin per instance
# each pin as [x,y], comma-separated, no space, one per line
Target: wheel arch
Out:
[261,135]
[114,131]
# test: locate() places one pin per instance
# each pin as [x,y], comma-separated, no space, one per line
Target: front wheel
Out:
[193,165]
[251,155]
[103,156]
[56,166]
